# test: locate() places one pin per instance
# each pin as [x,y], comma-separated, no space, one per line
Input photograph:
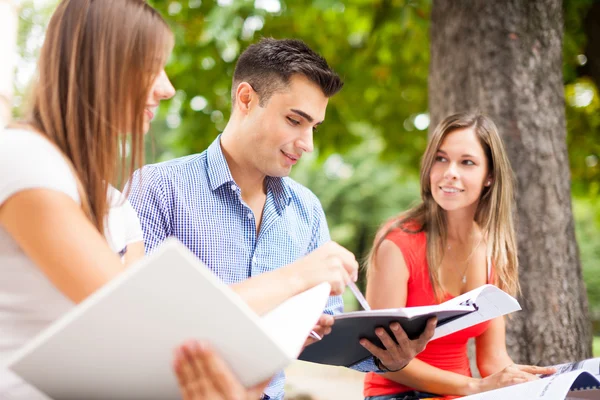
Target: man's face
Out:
[281,131]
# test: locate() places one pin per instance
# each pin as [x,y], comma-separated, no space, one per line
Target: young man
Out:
[234,205]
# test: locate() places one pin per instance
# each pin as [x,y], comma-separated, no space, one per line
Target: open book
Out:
[579,380]
[118,343]
[341,347]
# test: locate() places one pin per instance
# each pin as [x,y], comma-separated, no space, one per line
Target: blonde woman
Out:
[460,237]
[101,78]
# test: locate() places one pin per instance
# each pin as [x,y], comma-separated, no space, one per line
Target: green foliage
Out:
[596,346]
[583,105]
[586,211]
[583,139]
[33,18]
[359,192]
[378,47]
[366,168]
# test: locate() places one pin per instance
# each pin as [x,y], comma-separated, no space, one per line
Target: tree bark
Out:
[504,58]
[8,55]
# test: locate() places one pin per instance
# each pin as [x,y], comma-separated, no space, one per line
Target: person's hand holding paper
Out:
[397,354]
[334,264]
[202,374]
[400,351]
[322,328]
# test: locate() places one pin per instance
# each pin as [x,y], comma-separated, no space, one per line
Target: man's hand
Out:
[329,263]
[397,355]
[322,328]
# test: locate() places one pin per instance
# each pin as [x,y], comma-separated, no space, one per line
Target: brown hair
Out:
[95,70]
[493,214]
[269,64]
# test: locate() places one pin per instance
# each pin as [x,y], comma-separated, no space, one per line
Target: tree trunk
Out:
[505,59]
[8,55]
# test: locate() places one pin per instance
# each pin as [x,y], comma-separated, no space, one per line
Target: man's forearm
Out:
[265,292]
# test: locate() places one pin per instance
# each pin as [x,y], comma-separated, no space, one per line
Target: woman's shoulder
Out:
[16,136]
[410,240]
[33,162]
[22,143]
[407,232]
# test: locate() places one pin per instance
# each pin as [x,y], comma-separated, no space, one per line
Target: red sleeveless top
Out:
[448,353]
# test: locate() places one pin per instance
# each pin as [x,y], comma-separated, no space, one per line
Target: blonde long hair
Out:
[494,213]
[96,68]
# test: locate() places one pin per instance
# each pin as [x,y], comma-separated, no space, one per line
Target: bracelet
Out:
[382,367]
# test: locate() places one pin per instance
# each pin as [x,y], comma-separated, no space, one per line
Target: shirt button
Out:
[250,215]
[233,187]
[253,259]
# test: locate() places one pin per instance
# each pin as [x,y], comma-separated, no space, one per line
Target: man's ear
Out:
[245,97]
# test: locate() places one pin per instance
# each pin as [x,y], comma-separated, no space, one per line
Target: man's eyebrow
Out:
[304,115]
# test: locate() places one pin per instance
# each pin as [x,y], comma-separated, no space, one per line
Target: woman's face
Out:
[460,171]
[161,89]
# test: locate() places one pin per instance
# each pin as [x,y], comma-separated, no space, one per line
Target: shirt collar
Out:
[218,170]
[281,192]
[219,175]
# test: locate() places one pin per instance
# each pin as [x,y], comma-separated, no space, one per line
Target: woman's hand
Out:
[511,375]
[203,375]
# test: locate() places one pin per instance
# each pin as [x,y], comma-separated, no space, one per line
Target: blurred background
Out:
[366,165]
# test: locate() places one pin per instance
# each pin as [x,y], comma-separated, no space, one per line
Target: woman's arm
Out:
[387,278]
[54,232]
[492,357]
[491,348]
[386,288]
[424,377]
[135,252]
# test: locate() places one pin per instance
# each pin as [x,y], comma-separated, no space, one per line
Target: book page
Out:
[408,312]
[555,387]
[591,365]
[490,302]
[290,323]
[145,312]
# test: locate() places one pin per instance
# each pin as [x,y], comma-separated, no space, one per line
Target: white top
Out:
[28,301]
[123,225]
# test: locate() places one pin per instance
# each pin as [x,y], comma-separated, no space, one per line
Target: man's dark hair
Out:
[269,64]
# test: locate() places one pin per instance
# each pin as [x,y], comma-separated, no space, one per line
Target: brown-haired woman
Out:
[101,77]
[460,237]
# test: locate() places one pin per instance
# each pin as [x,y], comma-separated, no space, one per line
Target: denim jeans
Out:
[412,395]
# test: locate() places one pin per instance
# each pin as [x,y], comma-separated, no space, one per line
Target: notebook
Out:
[118,343]
[341,347]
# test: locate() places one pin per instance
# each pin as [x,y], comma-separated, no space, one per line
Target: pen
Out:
[315,335]
[359,296]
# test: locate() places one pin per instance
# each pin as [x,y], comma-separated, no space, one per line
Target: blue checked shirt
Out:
[195,199]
